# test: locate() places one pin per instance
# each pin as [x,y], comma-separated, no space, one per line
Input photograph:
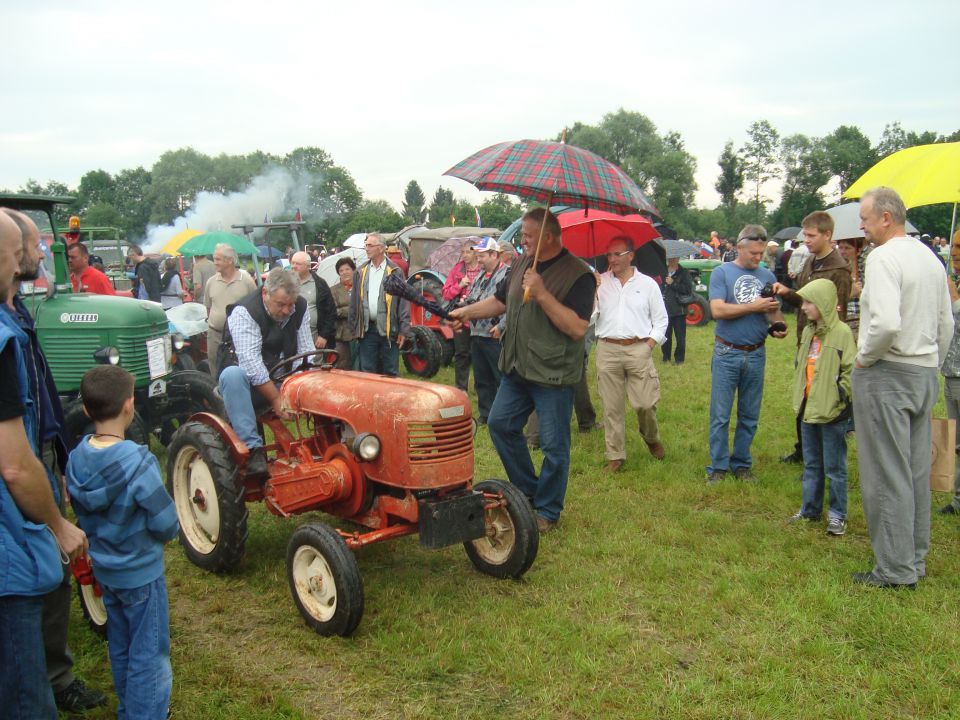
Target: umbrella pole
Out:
[256,270]
[536,254]
[953,223]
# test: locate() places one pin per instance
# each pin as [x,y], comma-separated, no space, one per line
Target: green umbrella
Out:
[204,244]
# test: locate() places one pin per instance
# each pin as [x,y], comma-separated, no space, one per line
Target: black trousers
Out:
[461,358]
[677,328]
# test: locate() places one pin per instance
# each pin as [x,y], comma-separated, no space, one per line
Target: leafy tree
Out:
[848,154]
[102,214]
[413,202]
[176,178]
[61,213]
[499,211]
[730,181]
[372,216]
[805,173]
[131,187]
[97,187]
[759,158]
[442,206]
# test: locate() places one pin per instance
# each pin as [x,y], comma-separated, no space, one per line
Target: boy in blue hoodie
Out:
[122,506]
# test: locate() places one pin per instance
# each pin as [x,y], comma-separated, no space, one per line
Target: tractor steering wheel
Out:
[277,374]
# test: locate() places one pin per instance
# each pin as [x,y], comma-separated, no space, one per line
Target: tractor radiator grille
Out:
[430,442]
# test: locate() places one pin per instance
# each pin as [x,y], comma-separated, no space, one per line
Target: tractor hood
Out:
[425,429]
[98,311]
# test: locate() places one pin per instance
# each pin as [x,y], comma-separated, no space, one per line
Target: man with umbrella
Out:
[541,360]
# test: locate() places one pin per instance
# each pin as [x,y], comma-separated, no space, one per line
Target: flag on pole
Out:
[453,219]
[298,217]
[476,213]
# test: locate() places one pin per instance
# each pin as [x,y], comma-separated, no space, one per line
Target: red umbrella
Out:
[553,173]
[588,235]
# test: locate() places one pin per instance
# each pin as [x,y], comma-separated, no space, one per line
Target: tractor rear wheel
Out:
[324,580]
[92,607]
[189,392]
[698,312]
[423,352]
[79,425]
[512,540]
[202,479]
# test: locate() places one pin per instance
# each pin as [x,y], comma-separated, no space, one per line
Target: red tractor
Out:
[390,455]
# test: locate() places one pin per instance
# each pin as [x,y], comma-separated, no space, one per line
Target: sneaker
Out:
[836,526]
[715,477]
[948,510]
[871,580]
[794,458]
[744,475]
[77,698]
[544,525]
[800,516]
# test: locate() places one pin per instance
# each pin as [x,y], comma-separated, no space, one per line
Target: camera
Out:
[767,291]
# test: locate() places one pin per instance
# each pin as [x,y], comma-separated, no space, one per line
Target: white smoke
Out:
[276,193]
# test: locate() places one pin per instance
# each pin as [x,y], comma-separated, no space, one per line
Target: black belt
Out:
[744,348]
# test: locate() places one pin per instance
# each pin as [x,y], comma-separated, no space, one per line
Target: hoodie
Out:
[830,389]
[122,506]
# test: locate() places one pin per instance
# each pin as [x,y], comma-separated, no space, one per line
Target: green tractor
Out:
[698,312]
[77,331]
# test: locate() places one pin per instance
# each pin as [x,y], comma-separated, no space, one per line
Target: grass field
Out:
[657,596]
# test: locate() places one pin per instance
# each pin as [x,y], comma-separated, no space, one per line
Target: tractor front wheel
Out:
[422,353]
[202,479]
[512,540]
[92,607]
[324,580]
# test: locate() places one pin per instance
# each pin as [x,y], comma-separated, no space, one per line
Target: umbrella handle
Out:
[536,255]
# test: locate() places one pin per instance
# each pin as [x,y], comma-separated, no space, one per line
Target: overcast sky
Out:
[398,90]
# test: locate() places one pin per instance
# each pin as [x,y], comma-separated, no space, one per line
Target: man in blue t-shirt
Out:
[744,319]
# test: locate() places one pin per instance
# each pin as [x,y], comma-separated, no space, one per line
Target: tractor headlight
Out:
[366,446]
[178,341]
[108,355]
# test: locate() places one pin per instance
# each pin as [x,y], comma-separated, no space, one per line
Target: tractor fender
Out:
[427,273]
[238,448]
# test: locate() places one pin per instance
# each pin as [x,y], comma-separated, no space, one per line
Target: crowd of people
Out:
[874,322]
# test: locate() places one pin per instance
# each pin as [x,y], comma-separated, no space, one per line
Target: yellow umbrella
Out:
[922,175]
[174,243]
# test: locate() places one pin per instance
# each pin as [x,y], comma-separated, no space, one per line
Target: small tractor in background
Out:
[390,456]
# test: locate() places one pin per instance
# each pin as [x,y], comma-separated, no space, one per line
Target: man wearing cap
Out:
[824,261]
[744,320]
[906,326]
[484,347]
[632,321]
[541,359]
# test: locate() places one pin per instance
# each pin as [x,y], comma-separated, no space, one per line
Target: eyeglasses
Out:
[619,254]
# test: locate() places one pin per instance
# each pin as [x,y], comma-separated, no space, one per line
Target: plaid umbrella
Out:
[553,173]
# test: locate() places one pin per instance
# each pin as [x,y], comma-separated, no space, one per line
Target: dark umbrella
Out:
[789,233]
[269,252]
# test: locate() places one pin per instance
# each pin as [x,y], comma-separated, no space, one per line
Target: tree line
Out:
[800,165]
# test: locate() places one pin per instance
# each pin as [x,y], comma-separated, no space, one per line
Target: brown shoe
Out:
[544,525]
[657,450]
[613,466]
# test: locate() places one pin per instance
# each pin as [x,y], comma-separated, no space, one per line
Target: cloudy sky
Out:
[399,90]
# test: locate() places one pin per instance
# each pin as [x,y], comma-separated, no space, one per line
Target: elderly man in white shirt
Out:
[632,321]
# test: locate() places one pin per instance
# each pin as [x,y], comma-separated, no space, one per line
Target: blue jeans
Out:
[554,405]
[741,373]
[377,354]
[824,456]
[237,399]
[138,634]
[25,692]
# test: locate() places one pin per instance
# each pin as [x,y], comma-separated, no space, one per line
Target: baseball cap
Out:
[487,244]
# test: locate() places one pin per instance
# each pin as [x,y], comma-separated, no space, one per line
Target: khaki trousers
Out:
[214,338]
[627,368]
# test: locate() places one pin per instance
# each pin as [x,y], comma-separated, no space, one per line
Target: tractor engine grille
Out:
[431,442]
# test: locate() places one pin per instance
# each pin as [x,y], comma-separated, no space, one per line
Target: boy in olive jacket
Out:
[821,397]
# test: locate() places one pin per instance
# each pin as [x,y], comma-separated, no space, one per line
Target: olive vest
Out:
[533,347]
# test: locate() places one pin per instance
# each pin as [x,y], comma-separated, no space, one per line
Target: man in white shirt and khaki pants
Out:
[632,321]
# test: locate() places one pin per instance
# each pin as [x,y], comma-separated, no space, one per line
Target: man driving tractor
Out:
[266,326]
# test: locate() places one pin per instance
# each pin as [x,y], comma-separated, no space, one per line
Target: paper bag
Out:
[944,454]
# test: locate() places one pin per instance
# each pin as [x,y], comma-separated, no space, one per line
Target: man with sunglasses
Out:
[745,316]
[632,321]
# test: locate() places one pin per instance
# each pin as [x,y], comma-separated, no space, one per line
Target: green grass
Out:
[656,597]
